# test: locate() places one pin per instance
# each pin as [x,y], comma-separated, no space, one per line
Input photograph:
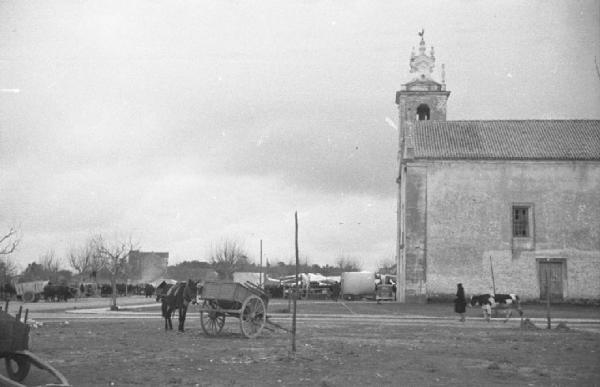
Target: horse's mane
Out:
[181,290]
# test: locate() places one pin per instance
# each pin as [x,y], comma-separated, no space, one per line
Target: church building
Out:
[506,206]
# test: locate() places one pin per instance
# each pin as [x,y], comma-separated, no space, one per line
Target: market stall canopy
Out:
[168,281]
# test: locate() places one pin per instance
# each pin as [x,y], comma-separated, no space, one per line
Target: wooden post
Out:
[260,267]
[493,281]
[295,288]
[494,311]
[549,325]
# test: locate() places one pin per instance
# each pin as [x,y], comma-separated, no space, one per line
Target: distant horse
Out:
[497,301]
[178,297]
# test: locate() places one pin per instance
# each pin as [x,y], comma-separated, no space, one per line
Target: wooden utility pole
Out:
[295,288]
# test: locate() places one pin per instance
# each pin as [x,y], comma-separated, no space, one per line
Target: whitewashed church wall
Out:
[469,220]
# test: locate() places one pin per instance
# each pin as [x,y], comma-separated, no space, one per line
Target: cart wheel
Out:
[211,321]
[17,366]
[253,317]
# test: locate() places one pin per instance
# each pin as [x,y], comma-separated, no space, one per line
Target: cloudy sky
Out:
[184,123]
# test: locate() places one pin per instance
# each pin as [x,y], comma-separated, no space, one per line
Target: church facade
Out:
[499,206]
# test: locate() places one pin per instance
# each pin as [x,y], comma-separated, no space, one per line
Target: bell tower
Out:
[421,99]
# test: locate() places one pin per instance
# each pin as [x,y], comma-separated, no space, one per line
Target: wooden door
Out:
[551,277]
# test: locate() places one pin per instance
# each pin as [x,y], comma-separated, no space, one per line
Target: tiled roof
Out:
[519,140]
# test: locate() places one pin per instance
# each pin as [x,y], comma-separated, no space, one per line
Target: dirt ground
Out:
[338,350]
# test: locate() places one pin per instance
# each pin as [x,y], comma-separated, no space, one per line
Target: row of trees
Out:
[108,259]
[95,255]
[229,257]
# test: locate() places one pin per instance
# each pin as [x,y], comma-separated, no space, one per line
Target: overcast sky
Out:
[184,123]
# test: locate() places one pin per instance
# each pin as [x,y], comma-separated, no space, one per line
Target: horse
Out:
[178,297]
[497,301]
[161,290]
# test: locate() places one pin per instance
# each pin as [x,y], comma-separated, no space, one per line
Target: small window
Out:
[423,112]
[521,222]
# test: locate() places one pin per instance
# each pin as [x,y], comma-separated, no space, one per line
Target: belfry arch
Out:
[423,112]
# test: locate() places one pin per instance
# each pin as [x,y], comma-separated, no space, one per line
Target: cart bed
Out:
[230,291]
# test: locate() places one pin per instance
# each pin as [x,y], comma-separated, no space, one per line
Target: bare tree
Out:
[227,258]
[114,257]
[8,269]
[50,262]
[96,263]
[348,264]
[85,258]
[9,242]
[386,266]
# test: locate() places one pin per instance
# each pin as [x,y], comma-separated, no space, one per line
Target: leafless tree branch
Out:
[50,262]
[9,242]
[85,258]
[8,269]
[227,258]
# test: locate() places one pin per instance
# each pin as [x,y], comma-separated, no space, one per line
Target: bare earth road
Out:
[338,344]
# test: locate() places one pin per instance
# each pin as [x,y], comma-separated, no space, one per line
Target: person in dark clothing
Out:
[460,302]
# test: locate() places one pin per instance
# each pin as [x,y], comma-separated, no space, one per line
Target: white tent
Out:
[157,282]
[243,277]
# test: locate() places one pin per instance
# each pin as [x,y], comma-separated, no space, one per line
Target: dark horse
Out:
[178,297]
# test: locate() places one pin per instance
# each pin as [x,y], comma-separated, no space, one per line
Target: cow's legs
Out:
[487,312]
[508,314]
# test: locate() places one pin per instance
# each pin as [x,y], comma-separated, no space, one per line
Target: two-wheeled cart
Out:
[14,348]
[245,301]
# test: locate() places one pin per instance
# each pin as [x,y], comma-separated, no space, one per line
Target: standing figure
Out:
[460,302]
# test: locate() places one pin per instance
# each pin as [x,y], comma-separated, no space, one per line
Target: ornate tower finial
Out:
[422,64]
[443,74]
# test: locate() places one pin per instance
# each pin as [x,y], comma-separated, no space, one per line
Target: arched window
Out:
[423,112]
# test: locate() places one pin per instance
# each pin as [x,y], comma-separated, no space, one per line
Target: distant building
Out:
[519,197]
[147,266]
